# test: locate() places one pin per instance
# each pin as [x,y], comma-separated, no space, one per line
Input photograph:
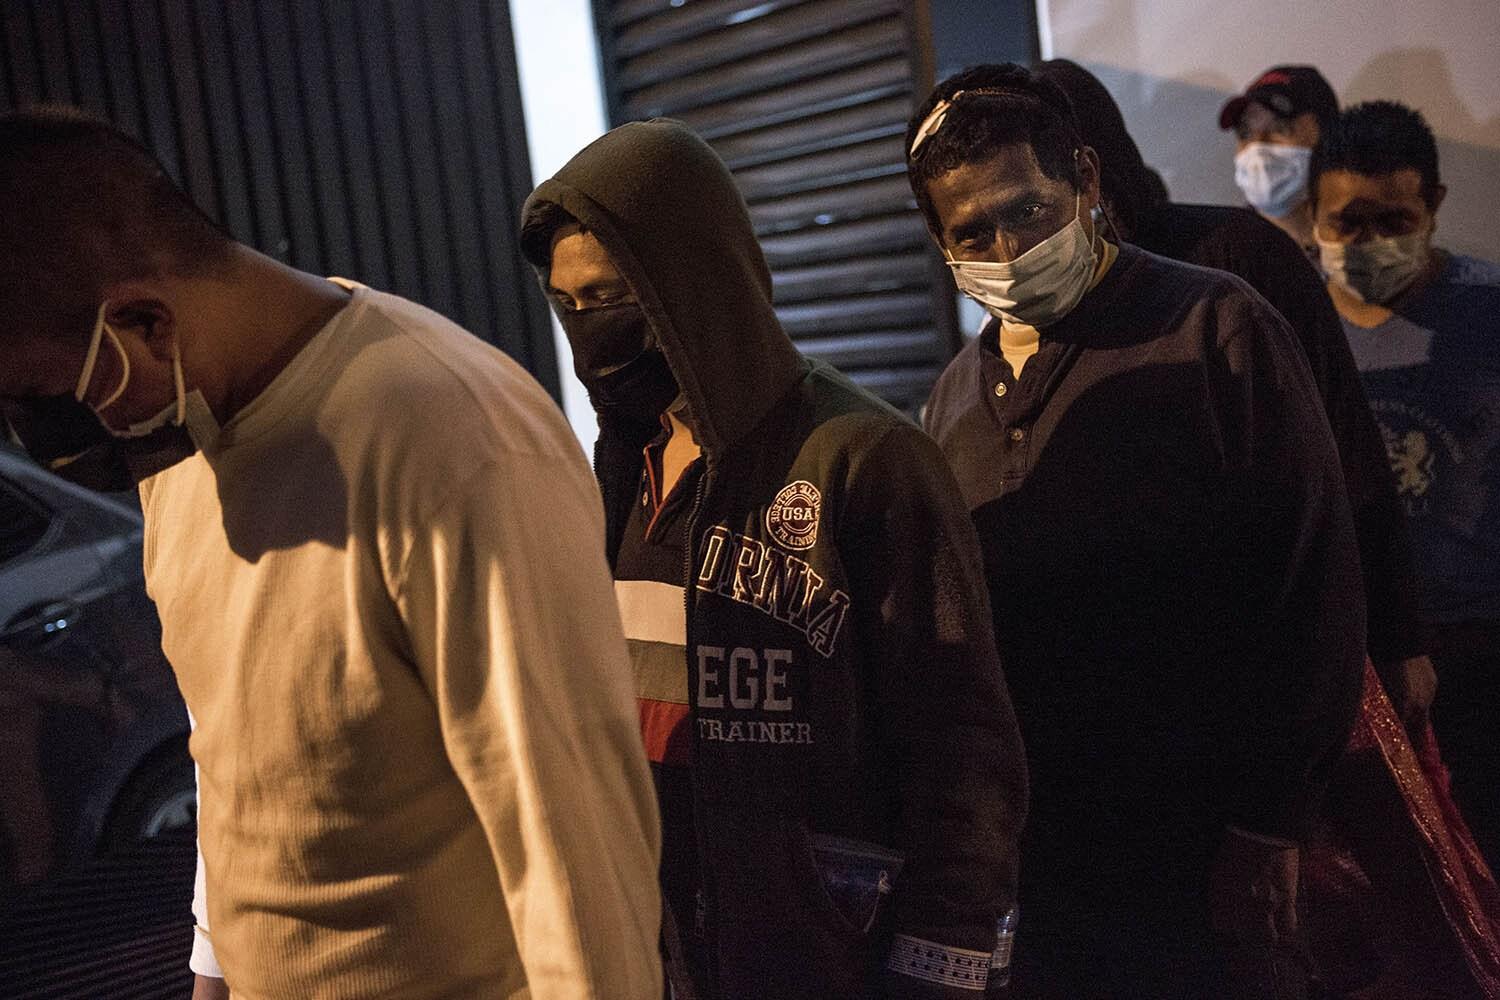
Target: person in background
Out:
[1171,559]
[1387,816]
[1276,123]
[377,554]
[1136,205]
[840,774]
[1424,326]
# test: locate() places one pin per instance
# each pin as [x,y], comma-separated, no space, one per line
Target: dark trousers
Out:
[1466,718]
[1158,950]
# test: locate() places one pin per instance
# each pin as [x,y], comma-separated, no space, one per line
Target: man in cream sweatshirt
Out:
[377,552]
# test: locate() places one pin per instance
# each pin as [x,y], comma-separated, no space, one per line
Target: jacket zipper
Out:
[707,901]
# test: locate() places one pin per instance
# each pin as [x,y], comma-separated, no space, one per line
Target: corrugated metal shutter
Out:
[807,102]
[120,928]
[380,141]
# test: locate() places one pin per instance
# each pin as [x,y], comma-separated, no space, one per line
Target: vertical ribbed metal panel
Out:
[807,102]
[379,140]
[118,928]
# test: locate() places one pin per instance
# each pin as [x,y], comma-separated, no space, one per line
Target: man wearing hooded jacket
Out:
[837,763]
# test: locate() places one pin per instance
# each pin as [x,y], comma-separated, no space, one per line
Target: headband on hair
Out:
[939,113]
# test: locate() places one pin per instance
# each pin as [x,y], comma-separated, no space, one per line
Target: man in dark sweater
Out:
[838,766]
[1171,560]
[1135,203]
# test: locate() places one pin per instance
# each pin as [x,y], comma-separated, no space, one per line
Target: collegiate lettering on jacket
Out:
[754,731]
[773,582]
[744,678]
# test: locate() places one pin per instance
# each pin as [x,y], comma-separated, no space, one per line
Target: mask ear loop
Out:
[101,329]
[1103,209]
[1108,217]
[92,357]
[114,339]
[179,382]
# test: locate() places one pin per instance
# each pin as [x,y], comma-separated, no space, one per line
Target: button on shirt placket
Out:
[1013,409]
[1016,448]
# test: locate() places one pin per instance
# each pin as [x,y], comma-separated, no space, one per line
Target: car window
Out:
[22,523]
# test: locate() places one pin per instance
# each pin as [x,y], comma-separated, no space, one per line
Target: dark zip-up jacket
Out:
[842,675]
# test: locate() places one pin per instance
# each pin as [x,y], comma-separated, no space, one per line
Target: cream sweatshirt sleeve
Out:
[202,959]
[511,615]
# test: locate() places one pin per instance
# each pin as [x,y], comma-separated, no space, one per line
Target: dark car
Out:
[93,732]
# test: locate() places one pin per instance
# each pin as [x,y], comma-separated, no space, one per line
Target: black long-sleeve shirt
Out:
[1172,567]
[1244,244]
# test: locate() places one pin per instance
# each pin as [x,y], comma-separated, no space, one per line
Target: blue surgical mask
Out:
[1273,177]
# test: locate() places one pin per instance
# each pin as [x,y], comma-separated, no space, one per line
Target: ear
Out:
[1107,214]
[929,215]
[141,309]
[1088,177]
[1439,192]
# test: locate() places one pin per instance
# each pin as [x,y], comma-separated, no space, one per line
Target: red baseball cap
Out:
[1288,91]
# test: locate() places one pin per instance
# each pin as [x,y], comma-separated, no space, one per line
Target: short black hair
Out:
[1003,105]
[84,206]
[1377,138]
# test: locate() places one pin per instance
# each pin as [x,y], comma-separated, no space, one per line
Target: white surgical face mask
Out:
[1377,270]
[1039,287]
[1273,176]
[173,413]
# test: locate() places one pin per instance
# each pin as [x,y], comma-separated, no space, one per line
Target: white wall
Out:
[1171,64]
[563,100]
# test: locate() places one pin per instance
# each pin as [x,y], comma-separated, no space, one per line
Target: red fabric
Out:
[665,729]
[1399,903]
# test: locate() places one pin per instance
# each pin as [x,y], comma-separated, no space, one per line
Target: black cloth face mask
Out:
[65,437]
[624,376]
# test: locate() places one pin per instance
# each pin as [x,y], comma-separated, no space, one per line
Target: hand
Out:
[210,988]
[1253,889]
[1416,683]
